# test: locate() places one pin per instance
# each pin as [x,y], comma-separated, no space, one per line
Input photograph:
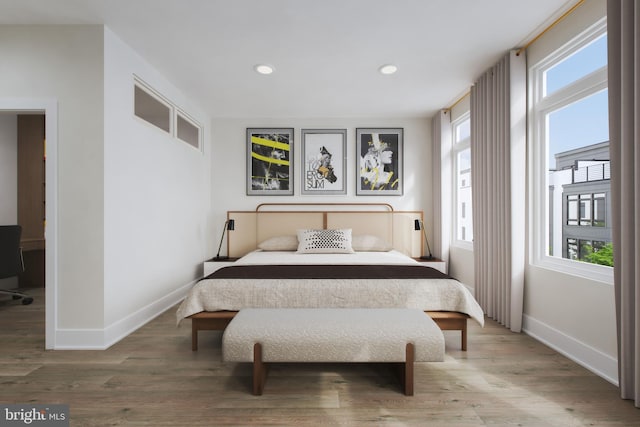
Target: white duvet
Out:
[236,294]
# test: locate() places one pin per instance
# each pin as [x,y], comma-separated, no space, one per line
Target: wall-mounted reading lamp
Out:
[419,225]
[228,225]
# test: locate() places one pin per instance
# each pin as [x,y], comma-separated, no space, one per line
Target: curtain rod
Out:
[458,101]
[553,24]
[532,41]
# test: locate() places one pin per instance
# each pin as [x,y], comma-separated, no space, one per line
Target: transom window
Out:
[577,65]
[156,110]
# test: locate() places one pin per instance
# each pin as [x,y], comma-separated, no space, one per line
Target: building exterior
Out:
[580,202]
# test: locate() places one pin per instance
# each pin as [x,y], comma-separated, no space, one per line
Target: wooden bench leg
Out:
[259,370]
[406,370]
[194,335]
[464,337]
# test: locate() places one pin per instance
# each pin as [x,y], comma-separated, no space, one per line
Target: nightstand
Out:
[213,264]
[436,263]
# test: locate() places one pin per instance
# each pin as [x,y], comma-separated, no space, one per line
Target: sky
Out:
[586,121]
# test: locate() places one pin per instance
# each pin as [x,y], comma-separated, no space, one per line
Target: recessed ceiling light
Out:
[388,69]
[264,69]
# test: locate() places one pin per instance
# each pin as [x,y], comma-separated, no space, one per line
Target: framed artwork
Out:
[270,161]
[324,166]
[379,161]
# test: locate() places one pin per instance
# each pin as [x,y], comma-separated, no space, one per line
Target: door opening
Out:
[44,243]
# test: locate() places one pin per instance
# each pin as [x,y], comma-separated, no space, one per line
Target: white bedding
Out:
[259,257]
[236,294]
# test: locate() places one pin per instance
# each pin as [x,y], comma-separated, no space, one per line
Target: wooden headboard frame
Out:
[280,219]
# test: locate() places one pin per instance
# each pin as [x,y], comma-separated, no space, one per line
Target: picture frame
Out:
[379,161]
[270,162]
[324,161]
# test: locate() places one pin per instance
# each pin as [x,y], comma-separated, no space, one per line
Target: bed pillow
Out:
[280,243]
[325,241]
[369,243]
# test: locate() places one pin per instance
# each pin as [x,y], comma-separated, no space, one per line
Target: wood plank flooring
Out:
[152,378]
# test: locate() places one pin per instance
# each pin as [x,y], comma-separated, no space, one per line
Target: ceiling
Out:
[326,53]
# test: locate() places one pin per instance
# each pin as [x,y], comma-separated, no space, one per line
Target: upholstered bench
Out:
[263,335]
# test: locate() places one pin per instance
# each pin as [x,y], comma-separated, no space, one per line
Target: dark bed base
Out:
[218,321]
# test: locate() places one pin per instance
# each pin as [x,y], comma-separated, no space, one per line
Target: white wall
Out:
[65,63]
[461,265]
[229,165]
[132,203]
[572,314]
[8,168]
[157,198]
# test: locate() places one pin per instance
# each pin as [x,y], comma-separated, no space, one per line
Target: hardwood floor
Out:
[152,378]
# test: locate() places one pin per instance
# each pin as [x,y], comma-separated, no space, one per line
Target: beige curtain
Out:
[441,133]
[498,170]
[623,28]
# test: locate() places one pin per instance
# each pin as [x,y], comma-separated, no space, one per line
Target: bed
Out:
[281,264]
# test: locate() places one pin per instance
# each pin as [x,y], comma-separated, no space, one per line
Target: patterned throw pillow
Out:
[324,241]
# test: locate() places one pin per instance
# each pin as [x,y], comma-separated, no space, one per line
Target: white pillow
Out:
[325,241]
[369,243]
[280,243]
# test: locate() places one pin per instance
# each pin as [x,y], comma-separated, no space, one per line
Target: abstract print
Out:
[270,162]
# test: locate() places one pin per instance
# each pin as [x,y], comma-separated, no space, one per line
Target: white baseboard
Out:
[101,339]
[592,359]
[79,339]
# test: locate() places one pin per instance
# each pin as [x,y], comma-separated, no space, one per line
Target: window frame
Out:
[540,106]
[189,120]
[175,112]
[138,84]
[456,148]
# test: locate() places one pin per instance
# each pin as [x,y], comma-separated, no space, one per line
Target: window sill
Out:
[462,244]
[585,270]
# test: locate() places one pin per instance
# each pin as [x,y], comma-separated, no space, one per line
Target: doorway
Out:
[43,244]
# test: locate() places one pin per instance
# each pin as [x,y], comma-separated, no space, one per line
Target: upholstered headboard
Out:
[280,219]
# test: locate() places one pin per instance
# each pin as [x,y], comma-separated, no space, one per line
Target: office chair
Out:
[11,263]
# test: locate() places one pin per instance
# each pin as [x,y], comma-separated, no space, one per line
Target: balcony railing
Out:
[597,172]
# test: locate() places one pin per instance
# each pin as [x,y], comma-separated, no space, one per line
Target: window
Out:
[572,249]
[187,131]
[572,209]
[586,209]
[151,108]
[154,109]
[570,156]
[599,210]
[576,65]
[582,250]
[462,181]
